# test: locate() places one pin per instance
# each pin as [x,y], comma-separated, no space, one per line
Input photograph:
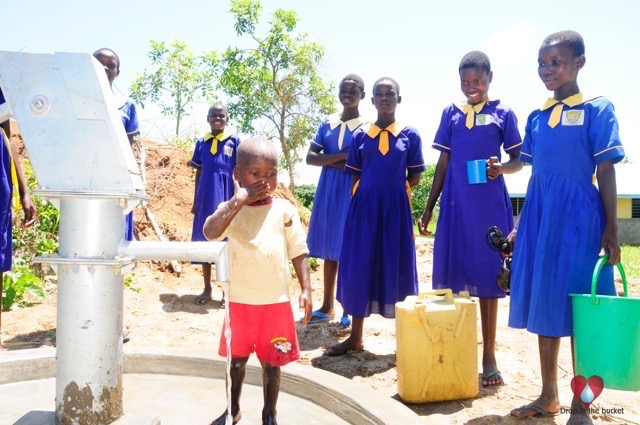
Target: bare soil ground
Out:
[160,312]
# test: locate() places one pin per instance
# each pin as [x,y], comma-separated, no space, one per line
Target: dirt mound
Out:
[170,183]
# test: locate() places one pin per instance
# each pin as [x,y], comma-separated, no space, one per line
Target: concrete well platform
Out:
[177,387]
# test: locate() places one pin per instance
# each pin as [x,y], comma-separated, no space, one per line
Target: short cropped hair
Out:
[475,59]
[255,147]
[393,82]
[106,49]
[569,38]
[356,79]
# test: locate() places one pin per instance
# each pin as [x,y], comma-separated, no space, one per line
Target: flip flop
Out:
[530,411]
[318,317]
[340,350]
[202,299]
[344,327]
[495,376]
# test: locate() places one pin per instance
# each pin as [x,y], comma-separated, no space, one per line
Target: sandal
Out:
[318,317]
[344,327]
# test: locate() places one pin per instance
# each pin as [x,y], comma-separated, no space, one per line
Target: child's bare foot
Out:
[349,345]
[222,420]
[579,414]
[540,407]
[203,298]
[269,420]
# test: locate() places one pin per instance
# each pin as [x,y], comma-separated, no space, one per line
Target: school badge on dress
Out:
[483,119]
[228,150]
[574,117]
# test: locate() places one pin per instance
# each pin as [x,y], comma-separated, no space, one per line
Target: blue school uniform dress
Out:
[333,194]
[132,128]
[216,176]
[462,258]
[378,255]
[6,192]
[562,220]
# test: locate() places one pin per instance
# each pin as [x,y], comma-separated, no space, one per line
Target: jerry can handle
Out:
[446,292]
[596,272]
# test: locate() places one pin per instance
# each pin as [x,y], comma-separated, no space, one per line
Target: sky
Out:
[418,43]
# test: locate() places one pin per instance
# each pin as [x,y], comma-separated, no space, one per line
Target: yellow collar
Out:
[353,123]
[395,128]
[465,107]
[570,101]
[219,137]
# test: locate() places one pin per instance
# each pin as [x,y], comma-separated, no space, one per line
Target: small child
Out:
[476,129]
[566,221]
[264,234]
[11,179]
[378,254]
[214,158]
[111,62]
[329,150]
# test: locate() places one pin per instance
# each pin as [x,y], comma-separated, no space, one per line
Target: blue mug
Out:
[477,171]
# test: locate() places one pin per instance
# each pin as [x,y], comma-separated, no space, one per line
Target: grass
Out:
[631,261]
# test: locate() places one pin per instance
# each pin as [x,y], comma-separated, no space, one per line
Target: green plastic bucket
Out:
[606,333]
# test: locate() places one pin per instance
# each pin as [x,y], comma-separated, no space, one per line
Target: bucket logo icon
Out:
[587,390]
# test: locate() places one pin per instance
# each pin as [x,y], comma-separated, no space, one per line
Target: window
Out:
[516,205]
[635,208]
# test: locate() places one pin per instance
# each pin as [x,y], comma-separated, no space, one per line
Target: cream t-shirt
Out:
[262,240]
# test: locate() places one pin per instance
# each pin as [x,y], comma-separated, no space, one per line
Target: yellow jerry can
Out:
[437,347]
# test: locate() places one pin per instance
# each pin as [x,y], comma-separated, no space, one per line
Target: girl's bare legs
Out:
[549,401]
[205,297]
[579,414]
[489,318]
[328,297]
[353,343]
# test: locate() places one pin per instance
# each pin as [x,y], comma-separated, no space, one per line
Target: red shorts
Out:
[268,330]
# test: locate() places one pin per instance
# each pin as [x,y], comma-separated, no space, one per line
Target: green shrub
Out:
[39,239]
[305,193]
[18,282]
[420,193]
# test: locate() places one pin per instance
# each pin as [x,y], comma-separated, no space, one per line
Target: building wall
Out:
[629,230]
[624,208]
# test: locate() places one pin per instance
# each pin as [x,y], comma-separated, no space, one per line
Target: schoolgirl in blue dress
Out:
[474,130]
[111,63]
[378,255]
[329,150]
[214,158]
[14,193]
[566,222]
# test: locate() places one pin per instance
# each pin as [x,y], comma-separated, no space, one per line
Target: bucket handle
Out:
[446,292]
[596,272]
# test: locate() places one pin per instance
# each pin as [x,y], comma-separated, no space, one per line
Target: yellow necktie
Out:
[556,112]
[214,141]
[383,144]
[470,111]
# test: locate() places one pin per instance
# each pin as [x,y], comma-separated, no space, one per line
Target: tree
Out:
[176,78]
[275,83]
[420,193]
